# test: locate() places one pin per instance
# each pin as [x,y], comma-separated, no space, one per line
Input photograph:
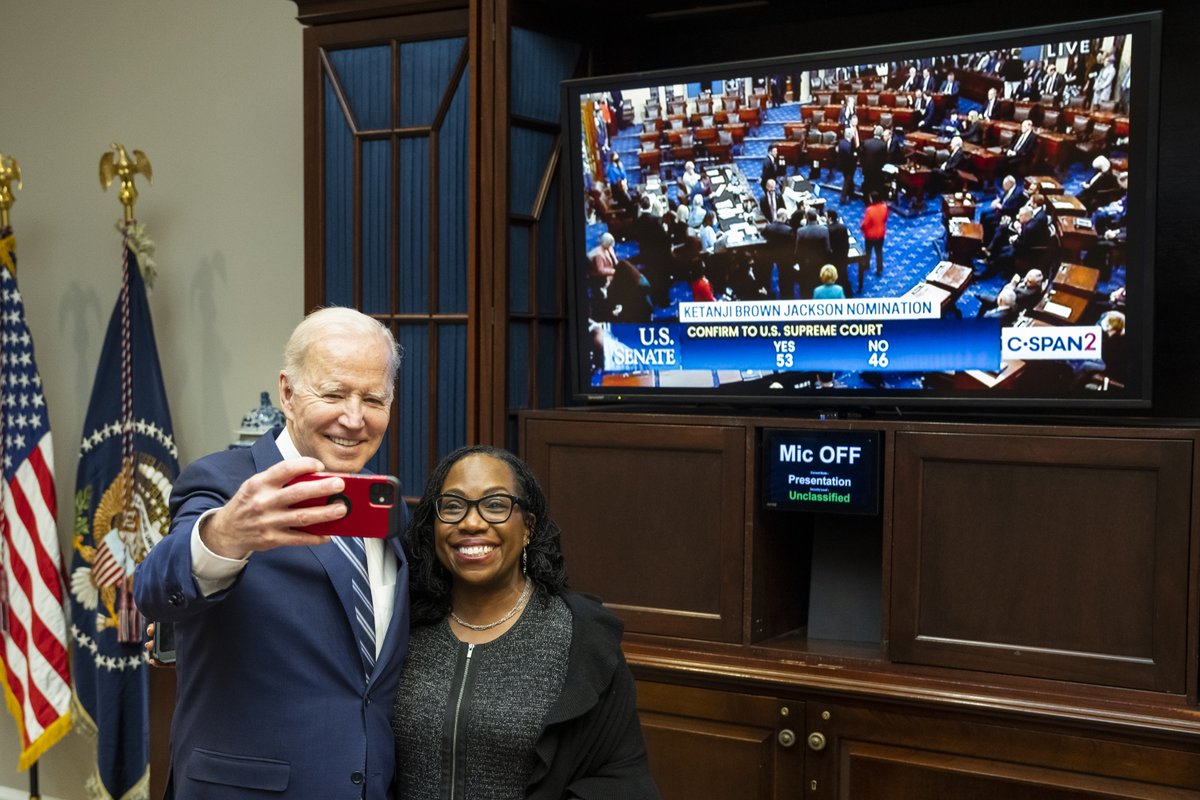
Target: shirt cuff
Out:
[212,572]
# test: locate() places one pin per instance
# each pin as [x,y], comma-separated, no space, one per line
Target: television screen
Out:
[832,471]
[965,220]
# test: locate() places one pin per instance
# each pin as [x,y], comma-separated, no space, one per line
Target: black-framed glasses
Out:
[494,508]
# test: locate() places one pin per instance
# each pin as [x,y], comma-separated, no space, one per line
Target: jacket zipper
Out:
[454,734]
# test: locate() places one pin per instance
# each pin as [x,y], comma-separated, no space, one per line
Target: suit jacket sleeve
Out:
[163,585]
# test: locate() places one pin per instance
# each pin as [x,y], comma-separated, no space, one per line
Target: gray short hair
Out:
[337,320]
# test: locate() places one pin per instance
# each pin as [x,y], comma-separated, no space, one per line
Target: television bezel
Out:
[1146,30]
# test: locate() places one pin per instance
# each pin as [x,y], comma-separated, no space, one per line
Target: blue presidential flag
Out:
[127,462]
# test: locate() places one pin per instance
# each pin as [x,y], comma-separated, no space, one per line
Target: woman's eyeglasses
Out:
[494,508]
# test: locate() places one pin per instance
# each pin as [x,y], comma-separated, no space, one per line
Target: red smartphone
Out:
[371,505]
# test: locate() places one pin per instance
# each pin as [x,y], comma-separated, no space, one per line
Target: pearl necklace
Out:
[519,605]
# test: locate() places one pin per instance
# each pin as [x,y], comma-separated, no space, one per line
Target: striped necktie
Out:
[355,551]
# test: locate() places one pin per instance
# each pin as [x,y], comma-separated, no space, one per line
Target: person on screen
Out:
[264,613]
[1101,188]
[1018,156]
[710,237]
[874,231]
[549,702]
[1003,208]
[829,289]
[1027,90]
[945,176]
[848,113]
[895,146]
[926,110]
[628,295]
[603,259]
[839,248]
[1111,367]
[928,84]
[812,252]
[749,280]
[1030,289]
[972,128]
[1023,237]
[702,291]
[772,200]
[847,163]
[1053,83]
[691,181]
[780,248]
[697,214]
[774,168]
[677,224]
[618,183]
[949,89]
[872,155]
[1012,73]
[912,82]
[1006,307]
[991,107]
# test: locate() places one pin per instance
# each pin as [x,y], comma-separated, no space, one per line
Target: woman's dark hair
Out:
[429,580]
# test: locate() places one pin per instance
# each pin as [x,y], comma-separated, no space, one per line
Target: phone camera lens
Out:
[382,494]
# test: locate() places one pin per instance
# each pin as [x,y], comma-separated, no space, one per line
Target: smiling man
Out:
[286,640]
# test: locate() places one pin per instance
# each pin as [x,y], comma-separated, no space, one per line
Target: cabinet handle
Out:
[786,738]
[816,741]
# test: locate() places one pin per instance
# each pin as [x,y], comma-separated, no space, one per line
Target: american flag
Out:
[32,621]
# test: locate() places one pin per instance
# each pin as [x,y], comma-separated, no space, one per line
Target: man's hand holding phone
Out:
[265,512]
[370,502]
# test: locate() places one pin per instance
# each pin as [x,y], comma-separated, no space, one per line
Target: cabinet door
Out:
[1060,557]
[889,753]
[652,518]
[721,745]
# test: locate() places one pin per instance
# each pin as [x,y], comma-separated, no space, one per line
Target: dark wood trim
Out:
[314,175]
[324,12]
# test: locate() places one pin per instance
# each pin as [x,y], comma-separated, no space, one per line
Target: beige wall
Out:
[211,91]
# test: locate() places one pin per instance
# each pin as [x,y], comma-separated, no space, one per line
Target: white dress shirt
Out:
[214,572]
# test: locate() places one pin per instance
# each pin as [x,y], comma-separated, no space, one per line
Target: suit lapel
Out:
[337,567]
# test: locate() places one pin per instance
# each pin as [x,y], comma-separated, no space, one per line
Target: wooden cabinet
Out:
[884,752]
[704,743]
[1019,620]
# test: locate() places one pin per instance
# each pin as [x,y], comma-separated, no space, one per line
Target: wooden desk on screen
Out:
[1075,236]
[958,204]
[910,180]
[964,240]
[985,159]
[1076,279]
[1061,307]
[952,277]
[942,298]
[1067,206]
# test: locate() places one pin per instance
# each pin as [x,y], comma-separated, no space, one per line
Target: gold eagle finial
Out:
[115,163]
[10,171]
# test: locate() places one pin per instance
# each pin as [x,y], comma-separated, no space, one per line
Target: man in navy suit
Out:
[1017,158]
[1003,209]
[285,676]
[950,91]
[925,107]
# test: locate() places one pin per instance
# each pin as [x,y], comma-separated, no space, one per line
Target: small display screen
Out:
[827,471]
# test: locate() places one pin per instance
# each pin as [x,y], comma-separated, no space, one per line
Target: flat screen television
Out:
[964,221]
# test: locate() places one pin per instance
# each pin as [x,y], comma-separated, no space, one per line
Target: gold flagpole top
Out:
[10,171]
[116,163]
